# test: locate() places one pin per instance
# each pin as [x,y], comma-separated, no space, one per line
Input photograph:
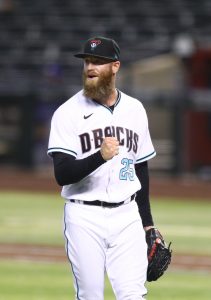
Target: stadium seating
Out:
[34,34]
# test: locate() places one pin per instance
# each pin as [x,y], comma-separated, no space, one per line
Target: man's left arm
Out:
[142,196]
[158,252]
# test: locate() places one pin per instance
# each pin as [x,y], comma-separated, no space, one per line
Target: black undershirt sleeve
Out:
[142,196]
[68,169]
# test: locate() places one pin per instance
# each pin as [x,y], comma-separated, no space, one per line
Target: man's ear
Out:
[115,66]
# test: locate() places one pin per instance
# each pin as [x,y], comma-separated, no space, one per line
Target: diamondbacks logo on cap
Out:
[94,44]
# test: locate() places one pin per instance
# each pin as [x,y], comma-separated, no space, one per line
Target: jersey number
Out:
[126,172]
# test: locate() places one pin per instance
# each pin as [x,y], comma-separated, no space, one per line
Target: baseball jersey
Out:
[78,128]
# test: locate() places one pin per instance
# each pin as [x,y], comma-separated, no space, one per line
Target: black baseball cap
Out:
[100,47]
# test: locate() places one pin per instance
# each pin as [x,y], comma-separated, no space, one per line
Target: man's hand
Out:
[109,148]
[159,254]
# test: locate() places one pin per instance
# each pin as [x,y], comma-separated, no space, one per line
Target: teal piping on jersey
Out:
[67,251]
[151,155]
[58,149]
[115,104]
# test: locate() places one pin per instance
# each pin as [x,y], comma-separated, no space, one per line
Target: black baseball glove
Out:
[159,254]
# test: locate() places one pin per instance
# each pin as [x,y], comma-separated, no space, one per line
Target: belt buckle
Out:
[78,201]
[102,204]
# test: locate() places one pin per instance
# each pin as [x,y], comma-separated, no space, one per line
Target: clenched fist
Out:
[109,148]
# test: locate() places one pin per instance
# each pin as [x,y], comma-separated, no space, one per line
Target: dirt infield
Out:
[57,254]
[186,186]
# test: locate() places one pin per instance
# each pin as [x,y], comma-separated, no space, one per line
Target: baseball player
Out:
[100,144]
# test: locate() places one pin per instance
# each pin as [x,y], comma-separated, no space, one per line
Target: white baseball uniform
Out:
[104,239]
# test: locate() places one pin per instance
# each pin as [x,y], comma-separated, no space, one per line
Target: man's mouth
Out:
[91,76]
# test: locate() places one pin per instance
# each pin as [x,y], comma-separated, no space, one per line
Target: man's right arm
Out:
[68,169]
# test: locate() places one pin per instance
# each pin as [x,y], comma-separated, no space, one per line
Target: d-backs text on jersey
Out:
[126,137]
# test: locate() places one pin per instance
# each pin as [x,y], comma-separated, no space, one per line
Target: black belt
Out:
[103,203]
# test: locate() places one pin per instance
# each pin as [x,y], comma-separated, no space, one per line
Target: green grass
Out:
[47,281]
[37,218]
[31,218]
[35,281]
[186,223]
[181,285]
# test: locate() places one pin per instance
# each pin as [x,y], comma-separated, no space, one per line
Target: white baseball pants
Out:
[111,240]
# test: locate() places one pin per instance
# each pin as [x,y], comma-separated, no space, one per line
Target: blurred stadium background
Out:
[166,63]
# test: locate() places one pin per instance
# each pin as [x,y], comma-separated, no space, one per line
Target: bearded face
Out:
[98,85]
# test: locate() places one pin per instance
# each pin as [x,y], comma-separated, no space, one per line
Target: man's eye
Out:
[96,61]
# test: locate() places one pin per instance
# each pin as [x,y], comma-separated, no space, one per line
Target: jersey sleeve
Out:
[62,137]
[146,148]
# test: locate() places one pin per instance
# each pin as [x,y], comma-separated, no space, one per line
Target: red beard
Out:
[99,89]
